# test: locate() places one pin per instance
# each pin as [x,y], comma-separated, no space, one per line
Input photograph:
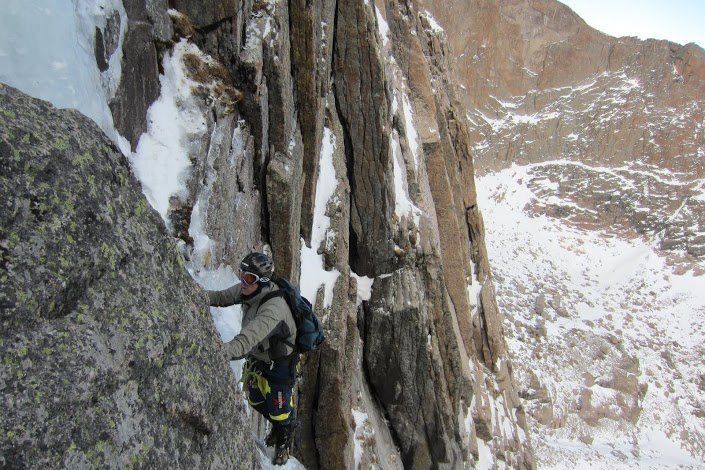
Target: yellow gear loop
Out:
[248,375]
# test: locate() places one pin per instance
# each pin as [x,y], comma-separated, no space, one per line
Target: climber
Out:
[269,373]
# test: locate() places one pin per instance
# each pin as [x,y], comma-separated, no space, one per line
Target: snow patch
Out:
[364,287]
[403,204]
[227,320]
[47,51]
[161,160]
[313,272]
[486,459]
[412,136]
[382,27]
[363,432]
[325,189]
[265,461]
[474,290]
[435,27]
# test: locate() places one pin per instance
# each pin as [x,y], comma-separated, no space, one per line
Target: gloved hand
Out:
[227,348]
[232,350]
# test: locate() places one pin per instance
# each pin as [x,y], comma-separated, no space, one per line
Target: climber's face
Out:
[249,282]
[249,289]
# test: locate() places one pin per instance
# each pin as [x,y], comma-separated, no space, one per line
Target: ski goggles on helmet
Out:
[249,278]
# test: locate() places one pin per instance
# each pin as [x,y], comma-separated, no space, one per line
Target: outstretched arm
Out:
[225,298]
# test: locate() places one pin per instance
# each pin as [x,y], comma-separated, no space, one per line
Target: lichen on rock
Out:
[109,355]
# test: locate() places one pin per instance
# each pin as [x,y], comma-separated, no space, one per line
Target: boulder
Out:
[110,356]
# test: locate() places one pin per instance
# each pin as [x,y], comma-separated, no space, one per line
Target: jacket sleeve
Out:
[266,323]
[225,298]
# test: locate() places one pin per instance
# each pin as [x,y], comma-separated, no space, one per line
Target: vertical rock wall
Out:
[414,372]
[363,106]
[427,346]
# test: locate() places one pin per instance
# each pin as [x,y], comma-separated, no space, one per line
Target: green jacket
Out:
[262,328]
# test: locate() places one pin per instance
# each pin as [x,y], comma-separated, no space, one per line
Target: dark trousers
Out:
[272,400]
[270,390]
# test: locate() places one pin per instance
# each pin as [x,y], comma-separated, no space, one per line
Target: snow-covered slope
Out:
[47,51]
[607,341]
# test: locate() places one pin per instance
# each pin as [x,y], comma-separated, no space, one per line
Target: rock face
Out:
[415,370]
[148,26]
[102,329]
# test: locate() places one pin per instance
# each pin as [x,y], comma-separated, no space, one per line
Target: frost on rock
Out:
[260,28]
[404,166]
[162,159]
[432,24]
[177,121]
[363,433]
[98,15]
[313,272]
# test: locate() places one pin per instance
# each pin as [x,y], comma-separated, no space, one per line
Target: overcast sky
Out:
[680,21]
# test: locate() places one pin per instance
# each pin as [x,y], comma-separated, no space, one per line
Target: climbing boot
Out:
[283,447]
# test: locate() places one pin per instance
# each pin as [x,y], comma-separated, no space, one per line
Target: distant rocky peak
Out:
[542,86]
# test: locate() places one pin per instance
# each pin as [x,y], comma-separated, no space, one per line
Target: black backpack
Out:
[309,331]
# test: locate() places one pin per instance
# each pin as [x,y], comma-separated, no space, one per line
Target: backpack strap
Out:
[271,295]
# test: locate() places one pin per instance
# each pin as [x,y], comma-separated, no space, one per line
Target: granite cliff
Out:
[109,355]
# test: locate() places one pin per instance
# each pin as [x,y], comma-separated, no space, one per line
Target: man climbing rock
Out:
[266,340]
